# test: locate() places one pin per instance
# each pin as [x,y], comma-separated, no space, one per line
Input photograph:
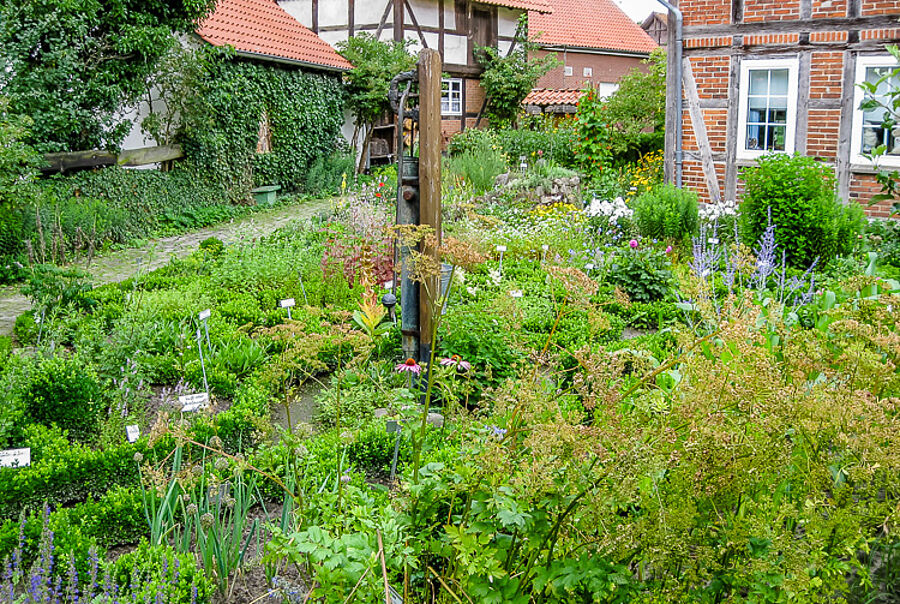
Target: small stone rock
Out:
[502,180]
[381,413]
[436,420]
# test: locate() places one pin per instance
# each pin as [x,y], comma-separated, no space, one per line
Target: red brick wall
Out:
[833,9]
[606,68]
[880,7]
[770,10]
[706,12]
[710,62]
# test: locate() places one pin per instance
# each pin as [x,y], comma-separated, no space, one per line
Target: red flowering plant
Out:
[359,239]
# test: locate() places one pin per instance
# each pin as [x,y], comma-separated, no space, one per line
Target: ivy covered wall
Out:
[302,111]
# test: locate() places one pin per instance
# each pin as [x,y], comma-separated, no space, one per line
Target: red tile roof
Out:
[589,24]
[539,6]
[262,27]
[547,97]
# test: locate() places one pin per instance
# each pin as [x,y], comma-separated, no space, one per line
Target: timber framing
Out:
[827,42]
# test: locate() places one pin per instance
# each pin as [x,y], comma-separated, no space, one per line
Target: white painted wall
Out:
[456,50]
[301,10]
[368,12]
[427,13]
[507,21]
[449,16]
[333,12]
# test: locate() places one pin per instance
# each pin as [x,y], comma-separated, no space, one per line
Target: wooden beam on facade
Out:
[698,125]
[793,26]
[398,20]
[415,22]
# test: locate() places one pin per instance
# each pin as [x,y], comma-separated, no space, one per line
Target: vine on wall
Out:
[303,113]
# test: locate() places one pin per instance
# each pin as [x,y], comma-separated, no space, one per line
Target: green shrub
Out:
[666,212]
[154,570]
[644,274]
[478,166]
[66,392]
[327,174]
[799,194]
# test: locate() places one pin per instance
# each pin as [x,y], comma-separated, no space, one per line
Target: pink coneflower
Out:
[633,243]
[456,361]
[409,365]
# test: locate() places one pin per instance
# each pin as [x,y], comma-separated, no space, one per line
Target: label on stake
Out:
[516,293]
[132,433]
[501,248]
[193,402]
[290,302]
[15,458]
[206,314]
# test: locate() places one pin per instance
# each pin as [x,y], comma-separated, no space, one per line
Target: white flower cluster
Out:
[613,210]
[713,212]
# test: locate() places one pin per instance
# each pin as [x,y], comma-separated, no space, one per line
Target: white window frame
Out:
[862,64]
[588,72]
[748,65]
[451,97]
[568,71]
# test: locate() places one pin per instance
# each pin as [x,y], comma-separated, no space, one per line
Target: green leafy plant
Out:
[667,212]
[797,195]
[644,274]
[375,63]
[507,79]
[66,392]
[636,111]
[104,53]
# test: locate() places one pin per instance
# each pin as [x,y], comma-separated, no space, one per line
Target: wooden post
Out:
[430,70]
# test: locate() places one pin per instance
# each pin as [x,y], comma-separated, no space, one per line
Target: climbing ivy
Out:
[303,113]
[72,65]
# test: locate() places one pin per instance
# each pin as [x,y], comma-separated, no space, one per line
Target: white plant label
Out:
[133,433]
[589,267]
[516,293]
[388,284]
[545,247]
[193,402]
[501,248]
[713,241]
[15,458]
[288,303]
[206,314]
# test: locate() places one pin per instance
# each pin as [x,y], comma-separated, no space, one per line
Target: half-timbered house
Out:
[455,28]
[764,76]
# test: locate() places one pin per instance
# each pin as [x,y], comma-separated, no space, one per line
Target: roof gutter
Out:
[612,52]
[296,62]
[678,86]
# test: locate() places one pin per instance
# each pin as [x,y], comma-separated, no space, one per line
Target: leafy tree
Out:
[508,80]
[18,160]
[375,64]
[72,65]
[636,112]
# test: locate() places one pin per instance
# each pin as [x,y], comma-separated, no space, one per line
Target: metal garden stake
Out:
[202,362]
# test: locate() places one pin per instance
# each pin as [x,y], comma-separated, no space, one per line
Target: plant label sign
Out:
[545,247]
[388,284]
[194,402]
[15,458]
[206,314]
[132,433]
[392,426]
[589,267]
[516,293]
[501,248]
[713,241]
[289,303]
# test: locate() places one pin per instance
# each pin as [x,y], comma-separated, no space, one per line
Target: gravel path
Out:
[120,265]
